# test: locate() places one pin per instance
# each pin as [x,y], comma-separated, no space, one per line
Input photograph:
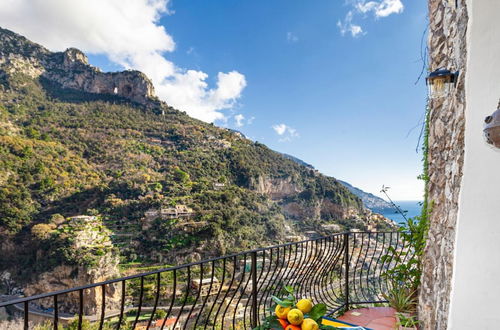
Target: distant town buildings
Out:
[82,219]
[159,324]
[179,211]
[333,227]
[219,186]
[169,213]
[206,286]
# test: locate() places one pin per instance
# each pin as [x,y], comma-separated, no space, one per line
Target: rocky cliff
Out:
[85,254]
[276,188]
[70,69]
[64,277]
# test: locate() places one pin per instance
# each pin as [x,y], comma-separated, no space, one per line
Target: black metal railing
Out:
[230,292]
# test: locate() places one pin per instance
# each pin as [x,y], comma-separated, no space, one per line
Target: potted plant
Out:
[401,298]
[404,301]
[406,266]
[406,321]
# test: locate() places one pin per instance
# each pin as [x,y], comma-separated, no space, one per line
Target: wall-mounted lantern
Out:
[492,128]
[440,82]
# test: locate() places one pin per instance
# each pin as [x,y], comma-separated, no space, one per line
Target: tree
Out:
[57,219]
[181,176]
[160,314]
[42,231]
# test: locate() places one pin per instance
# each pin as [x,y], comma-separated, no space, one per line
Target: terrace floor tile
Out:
[376,318]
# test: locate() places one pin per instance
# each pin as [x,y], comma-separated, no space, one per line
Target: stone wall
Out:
[447,49]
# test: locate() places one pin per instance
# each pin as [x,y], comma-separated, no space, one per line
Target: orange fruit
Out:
[283,323]
[292,327]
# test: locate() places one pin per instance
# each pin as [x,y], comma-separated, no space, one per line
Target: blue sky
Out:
[353,101]
[345,103]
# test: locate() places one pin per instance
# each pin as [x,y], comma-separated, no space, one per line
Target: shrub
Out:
[43,231]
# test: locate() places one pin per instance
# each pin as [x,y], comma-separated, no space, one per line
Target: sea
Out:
[413,209]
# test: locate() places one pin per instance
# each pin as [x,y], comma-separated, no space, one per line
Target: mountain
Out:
[374,203]
[95,170]
[370,201]
[298,161]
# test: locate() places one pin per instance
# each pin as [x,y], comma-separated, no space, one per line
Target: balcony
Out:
[231,292]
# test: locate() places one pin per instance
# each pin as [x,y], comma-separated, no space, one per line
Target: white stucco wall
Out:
[475,298]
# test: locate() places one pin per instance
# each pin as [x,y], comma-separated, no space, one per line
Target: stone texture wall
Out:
[447,49]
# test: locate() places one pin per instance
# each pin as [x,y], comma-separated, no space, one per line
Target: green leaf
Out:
[284,303]
[328,327]
[318,311]
[289,289]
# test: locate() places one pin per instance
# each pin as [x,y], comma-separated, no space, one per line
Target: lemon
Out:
[309,324]
[305,305]
[281,312]
[295,316]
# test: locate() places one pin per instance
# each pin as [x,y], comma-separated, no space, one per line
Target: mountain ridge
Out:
[374,203]
[78,150]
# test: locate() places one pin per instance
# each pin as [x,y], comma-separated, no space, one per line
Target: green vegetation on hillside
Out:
[68,153]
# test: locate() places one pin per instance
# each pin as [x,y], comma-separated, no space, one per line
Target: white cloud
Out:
[355,30]
[291,38]
[129,34]
[382,8]
[239,120]
[286,132]
[366,7]
[280,129]
[379,8]
[348,26]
